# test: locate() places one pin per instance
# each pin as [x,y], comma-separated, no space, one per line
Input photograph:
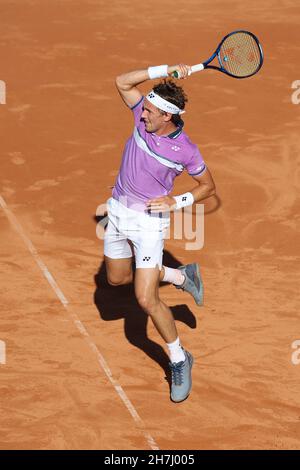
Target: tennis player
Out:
[139,210]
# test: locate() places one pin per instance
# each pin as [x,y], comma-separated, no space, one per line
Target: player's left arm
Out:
[206,186]
[204,189]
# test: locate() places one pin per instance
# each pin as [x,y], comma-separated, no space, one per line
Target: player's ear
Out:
[168,117]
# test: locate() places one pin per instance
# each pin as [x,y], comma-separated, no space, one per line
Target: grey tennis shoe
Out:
[193,282]
[181,378]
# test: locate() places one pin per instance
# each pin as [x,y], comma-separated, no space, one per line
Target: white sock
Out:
[174,276]
[176,351]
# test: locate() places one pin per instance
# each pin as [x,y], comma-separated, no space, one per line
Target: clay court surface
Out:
[63,129]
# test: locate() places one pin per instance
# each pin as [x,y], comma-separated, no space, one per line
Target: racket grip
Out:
[197,68]
[194,68]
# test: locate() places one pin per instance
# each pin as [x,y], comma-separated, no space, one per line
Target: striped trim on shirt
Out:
[142,144]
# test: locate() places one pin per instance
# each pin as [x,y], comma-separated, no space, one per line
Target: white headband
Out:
[162,104]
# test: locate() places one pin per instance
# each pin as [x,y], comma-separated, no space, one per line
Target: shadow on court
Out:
[115,303]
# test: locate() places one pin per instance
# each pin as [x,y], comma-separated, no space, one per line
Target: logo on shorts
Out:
[147,258]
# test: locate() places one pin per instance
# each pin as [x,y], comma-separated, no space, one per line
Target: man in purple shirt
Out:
[138,212]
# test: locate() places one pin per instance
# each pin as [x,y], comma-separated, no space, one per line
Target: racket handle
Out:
[197,68]
[194,68]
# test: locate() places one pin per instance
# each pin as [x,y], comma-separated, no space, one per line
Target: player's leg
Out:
[148,250]
[118,271]
[146,290]
[117,254]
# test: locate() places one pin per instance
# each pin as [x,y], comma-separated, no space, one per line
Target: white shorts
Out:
[131,232]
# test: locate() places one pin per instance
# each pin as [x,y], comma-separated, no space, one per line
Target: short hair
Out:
[170,91]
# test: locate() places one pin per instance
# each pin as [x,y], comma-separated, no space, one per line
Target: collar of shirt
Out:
[173,134]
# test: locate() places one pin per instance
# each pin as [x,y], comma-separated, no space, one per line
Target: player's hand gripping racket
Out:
[239,54]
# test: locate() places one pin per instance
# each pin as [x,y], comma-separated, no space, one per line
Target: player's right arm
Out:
[127,83]
[127,86]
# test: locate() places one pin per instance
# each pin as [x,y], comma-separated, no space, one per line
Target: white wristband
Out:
[160,71]
[186,199]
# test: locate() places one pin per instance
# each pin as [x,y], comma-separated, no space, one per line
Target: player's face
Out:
[152,117]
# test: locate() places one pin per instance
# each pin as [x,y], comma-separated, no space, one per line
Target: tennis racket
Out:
[239,54]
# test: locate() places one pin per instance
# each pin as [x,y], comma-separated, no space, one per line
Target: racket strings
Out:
[240,54]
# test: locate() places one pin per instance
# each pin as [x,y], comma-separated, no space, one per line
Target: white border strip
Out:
[104,365]
[164,161]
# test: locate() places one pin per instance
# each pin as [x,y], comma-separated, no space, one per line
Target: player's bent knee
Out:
[147,303]
[117,281]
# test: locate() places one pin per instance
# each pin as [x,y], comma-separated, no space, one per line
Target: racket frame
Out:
[217,54]
[205,65]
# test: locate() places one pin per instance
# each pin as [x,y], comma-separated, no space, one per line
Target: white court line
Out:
[104,365]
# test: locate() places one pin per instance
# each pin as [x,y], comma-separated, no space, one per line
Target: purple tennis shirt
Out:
[150,163]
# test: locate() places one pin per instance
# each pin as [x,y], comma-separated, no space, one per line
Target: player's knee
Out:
[147,302]
[118,281]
